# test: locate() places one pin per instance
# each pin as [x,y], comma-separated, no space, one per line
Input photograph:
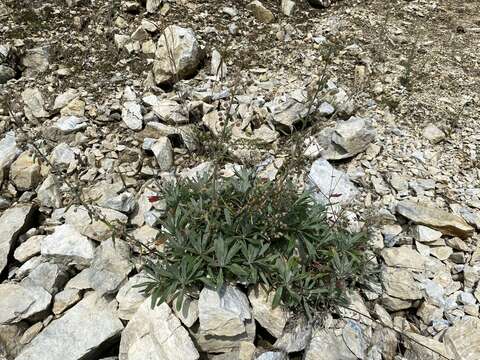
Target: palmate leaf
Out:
[246,230]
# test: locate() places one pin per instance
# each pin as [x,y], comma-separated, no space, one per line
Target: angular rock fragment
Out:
[66,245]
[443,221]
[156,334]
[19,302]
[178,54]
[13,222]
[82,333]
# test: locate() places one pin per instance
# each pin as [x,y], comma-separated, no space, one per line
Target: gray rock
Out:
[19,302]
[78,216]
[218,68]
[65,299]
[63,99]
[424,348]
[330,186]
[178,54]
[399,283]
[80,334]
[13,222]
[110,266]
[132,115]
[271,355]
[163,151]
[260,12]
[67,246]
[48,194]
[34,104]
[222,344]
[70,124]
[223,314]
[443,221]
[433,134]
[354,135]
[124,202]
[156,334]
[425,234]
[153,5]
[130,297]
[8,152]
[25,171]
[403,257]
[273,320]
[51,277]
[295,339]
[326,345]
[6,73]
[36,60]
[170,112]
[28,249]
[288,7]
[188,314]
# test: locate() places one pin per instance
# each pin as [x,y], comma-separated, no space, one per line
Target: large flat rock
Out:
[441,220]
[80,334]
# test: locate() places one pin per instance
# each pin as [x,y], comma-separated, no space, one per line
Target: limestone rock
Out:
[188,314]
[178,54]
[66,245]
[327,345]
[36,60]
[296,337]
[25,172]
[354,135]
[19,302]
[6,73]
[13,222]
[94,229]
[403,257]
[49,194]
[109,268]
[34,104]
[63,99]
[425,234]
[222,344]
[400,283]
[463,338]
[81,333]
[65,299]
[170,112]
[28,249]
[163,151]
[260,12]
[156,334]
[330,186]
[130,297]
[132,115]
[433,134]
[70,124]
[273,320]
[287,7]
[8,152]
[51,277]
[223,314]
[443,221]
[418,348]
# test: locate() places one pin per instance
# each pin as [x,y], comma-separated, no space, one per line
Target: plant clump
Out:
[245,230]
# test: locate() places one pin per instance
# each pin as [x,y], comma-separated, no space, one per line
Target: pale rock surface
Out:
[13,222]
[66,245]
[19,302]
[178,54]
[80,334]
[156,334]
